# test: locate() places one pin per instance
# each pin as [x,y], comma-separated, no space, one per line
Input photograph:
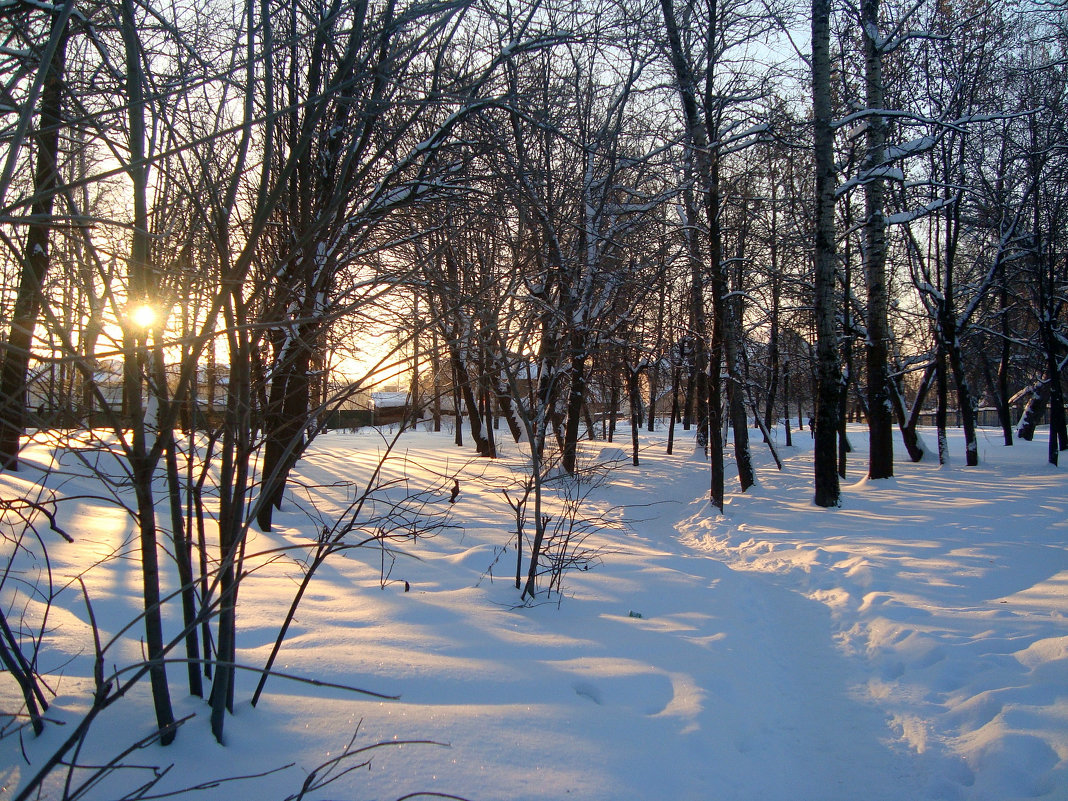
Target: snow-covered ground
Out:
[911,645]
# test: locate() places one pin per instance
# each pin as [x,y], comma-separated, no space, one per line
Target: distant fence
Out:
[357,418]
[340,418]
[351,418]
[985,418]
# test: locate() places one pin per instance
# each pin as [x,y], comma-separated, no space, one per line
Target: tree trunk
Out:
[436,368]
[575,399]
[284,422]
[634,390]
[487,393]
[1037,397]
[1004,412]
[35,259]
[827,488]
[506,405]
[135,342]
[731,334]
[773,336]
[1058,430]
[880,414]
[942,383]
[688,398]
[613,405]
[847,361]
[183,558]
[786,403]
[964,394]
[233,483]
[457,404]
[726,336]
[676,379]
[463,378]
[908,422]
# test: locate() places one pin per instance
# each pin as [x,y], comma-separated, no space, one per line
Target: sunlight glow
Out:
[143,316]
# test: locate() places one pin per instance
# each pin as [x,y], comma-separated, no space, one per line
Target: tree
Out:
[829,374]
[1041,149]
[348,157]
[880,414]
[954,269]
[710,133]
[34,259]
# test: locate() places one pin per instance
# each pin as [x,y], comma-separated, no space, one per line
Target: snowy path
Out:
[780,715]
[772,713]
[949,587]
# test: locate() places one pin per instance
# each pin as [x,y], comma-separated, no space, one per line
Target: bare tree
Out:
[34,259]
[829,373]
[880,414]
[708,94]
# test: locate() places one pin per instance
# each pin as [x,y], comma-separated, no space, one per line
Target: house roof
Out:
[389,400]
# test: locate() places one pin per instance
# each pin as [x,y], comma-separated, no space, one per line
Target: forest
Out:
[546,222]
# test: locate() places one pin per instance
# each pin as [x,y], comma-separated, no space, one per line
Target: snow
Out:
[910,645]
[904,217]
[389,400]
[910,148]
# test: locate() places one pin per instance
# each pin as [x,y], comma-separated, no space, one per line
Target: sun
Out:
[143,316]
